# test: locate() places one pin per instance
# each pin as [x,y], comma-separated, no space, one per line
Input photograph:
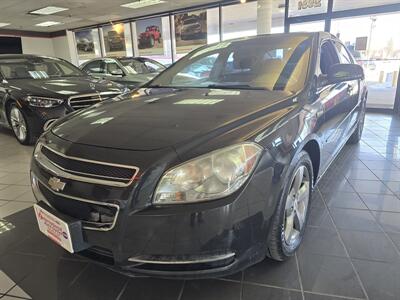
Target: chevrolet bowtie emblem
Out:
[56,184]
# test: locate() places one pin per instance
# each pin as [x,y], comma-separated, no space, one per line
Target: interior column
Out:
[264,16]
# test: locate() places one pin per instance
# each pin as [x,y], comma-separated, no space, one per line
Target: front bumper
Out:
[200,240]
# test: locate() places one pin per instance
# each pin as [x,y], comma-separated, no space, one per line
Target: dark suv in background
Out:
[36,89]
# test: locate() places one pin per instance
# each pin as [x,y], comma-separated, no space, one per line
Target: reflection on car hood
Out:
[62,88]
[142,78]
[156,118]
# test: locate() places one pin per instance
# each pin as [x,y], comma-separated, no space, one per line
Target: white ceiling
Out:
[83,12]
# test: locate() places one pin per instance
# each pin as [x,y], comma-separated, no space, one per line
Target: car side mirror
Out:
[117,72]
[344,72]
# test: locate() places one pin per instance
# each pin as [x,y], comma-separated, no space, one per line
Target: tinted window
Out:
[37,68]
[275,63]
[94,67]
[141,66]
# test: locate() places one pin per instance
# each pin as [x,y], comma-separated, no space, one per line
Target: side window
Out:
[343,54]
[328,57]
[113,69]
[152,67]
[94,67]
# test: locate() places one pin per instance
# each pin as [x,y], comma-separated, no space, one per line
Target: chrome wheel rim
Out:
[18,124]
[296,206]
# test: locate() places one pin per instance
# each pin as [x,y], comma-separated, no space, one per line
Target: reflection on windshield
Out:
[37,68]
[275,62]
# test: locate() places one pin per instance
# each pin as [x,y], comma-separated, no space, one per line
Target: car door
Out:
[353,89]
[335,102]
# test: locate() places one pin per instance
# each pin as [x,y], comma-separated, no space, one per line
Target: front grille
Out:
[94,215]
[91,169]
[83,101]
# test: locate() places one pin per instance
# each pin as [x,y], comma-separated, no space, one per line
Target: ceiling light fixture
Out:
[48,10]
[48,24]
[243,1]
[142,3]
[4,24]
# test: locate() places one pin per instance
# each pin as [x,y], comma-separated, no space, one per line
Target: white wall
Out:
[62,47]
[39,46]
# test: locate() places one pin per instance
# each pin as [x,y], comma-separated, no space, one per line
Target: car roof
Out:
[14,56]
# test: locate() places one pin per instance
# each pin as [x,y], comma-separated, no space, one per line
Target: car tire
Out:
[355,138]
[290,219]
[20,125]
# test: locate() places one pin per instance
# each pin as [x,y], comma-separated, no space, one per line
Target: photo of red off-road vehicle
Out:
[148,38]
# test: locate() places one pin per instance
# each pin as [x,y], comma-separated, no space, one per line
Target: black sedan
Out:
[35,90]
[131,72]
[202,173]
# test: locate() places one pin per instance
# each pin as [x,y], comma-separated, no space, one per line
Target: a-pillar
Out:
[264,16]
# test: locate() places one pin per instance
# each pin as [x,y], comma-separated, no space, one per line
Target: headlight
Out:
[211,176]
[43,102]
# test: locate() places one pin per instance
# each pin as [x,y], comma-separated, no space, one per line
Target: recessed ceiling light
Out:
[4,24]
[142,3]
[48,10]
[48,24]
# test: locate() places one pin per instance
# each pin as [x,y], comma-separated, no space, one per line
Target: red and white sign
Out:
[54,228]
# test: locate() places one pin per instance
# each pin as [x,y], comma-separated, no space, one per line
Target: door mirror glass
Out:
[344,72]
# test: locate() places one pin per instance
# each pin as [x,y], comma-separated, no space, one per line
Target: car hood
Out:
[62,87]
[141,78]
[150,119]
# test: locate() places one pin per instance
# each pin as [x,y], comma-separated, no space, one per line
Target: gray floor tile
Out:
[13,207]
[370,246]
[274,273]
[344,200]
[370,187]
[388,220]
[253,292]
[13,191]
[329,275]
[349,219]
[211,290]
[377,202]
[323,241]
[379,286]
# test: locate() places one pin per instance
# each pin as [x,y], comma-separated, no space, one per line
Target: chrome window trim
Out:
[57,171]
[38,194]
[205,259]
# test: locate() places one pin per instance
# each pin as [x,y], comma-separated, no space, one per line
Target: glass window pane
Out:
[239,20]
[346,4]
[87,44]
[154,39]
[375,44]
[308,26]
[307,7]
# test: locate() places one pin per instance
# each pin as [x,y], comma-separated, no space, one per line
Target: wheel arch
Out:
[313,149]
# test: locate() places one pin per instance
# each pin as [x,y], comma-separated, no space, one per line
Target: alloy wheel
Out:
[18,124]
[296,206]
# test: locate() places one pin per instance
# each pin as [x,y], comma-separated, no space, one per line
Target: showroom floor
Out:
[351,248]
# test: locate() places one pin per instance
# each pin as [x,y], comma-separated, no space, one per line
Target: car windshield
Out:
[189,21]
[141,66]
[37,68]
[274,62]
